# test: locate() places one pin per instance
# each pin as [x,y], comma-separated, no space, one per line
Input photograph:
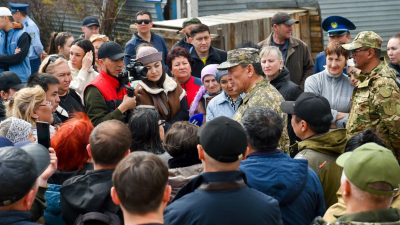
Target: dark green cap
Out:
[371,163]
[190,21]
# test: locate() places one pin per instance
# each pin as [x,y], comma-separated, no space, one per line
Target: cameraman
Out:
[106,97]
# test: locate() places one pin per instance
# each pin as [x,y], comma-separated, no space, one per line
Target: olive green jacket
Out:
[377,217]
[96,107]
[321,151]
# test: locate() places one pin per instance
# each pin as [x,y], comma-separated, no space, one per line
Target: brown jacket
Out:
[166,101]
[298,60]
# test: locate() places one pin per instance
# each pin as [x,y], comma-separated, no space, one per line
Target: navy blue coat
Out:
[296,187]
[234,206]
[15,218]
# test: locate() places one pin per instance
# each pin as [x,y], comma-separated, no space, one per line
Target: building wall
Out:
[380,16]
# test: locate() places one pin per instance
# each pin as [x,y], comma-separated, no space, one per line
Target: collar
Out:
[211,54]
[17,216]
[168,86]
[264,152]
[262,83]
[190,79]
[225,176]
[183,161]
[285,46]
[113,81]
[151,36]
[395,67]
[334,77]
[381,215]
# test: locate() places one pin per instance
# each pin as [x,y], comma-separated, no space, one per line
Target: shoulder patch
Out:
[26,24]
[32,35]
[385,91]
[389,107]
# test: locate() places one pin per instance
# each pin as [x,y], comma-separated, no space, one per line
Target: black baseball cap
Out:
[9,79]
[311,107]
[19,169]
[282,17]
[90,21]
[111,50]
[223,139]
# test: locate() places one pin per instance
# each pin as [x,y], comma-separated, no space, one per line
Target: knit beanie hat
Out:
[148,55]
[219,74]
[19,130]
[208,70]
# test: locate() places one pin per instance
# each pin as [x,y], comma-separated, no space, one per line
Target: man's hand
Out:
[127,104]
[42,180]
[17,50]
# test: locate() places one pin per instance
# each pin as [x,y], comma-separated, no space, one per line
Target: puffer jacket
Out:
[290,181]
[321,151]
[178,177]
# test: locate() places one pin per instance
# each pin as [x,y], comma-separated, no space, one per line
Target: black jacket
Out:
[221,198]
[15,218]
[182,43]
[290,92]
[60,176]
[2,110]
[216,56]
[87,193]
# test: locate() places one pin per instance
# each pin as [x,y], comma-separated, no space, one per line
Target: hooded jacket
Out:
[290,92]
[295,186]
[87,193]
[321,151]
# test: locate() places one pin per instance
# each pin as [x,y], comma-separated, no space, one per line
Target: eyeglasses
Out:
[143,21]
[47,104]
[51,59]
[162,123]
[354,52]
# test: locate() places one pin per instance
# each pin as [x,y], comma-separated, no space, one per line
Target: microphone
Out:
[196,119]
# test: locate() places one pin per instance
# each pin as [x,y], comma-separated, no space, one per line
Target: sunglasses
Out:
[354,52]
[143,21]
[52,59]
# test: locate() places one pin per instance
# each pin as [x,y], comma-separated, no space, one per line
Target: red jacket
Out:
[191,87]
[108,86]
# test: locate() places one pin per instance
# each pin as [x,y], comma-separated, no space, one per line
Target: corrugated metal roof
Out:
[213,7]
[381,16]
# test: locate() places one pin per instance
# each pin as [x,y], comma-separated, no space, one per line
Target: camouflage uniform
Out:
[262,94]
[376,101]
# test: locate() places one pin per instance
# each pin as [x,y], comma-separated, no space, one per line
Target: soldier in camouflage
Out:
[245,72]
[375,101]
[369,182]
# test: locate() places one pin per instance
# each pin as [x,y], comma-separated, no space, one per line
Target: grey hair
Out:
[263,127]
[268,49]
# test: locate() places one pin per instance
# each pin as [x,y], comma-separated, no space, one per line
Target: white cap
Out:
[5,11]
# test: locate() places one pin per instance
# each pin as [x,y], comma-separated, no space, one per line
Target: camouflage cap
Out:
[240,56]
[365,39]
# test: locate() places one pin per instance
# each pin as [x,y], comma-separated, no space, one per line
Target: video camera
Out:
[134,71]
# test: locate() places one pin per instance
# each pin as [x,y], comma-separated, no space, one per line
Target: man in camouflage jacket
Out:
[375,101]
[245,72]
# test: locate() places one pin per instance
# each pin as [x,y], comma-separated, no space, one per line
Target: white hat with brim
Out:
[5,11]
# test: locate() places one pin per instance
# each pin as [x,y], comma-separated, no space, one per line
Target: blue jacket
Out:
[290,181]
[15,218]
[221,198]
[23,70]
[36,49]
[52,213]
[156,40]
[220,106]
[320,62]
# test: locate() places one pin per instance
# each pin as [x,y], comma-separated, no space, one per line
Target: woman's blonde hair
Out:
[99,37]
[51,67]
[268,49]
[24,102]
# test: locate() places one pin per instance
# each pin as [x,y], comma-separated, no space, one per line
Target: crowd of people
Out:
[258,134]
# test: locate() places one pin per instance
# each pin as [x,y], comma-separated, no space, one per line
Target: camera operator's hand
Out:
[127,104]
[87,61]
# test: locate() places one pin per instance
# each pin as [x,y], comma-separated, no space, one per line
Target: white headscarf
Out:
[19,130]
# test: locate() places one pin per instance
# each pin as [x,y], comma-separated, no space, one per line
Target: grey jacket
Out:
[337,89]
